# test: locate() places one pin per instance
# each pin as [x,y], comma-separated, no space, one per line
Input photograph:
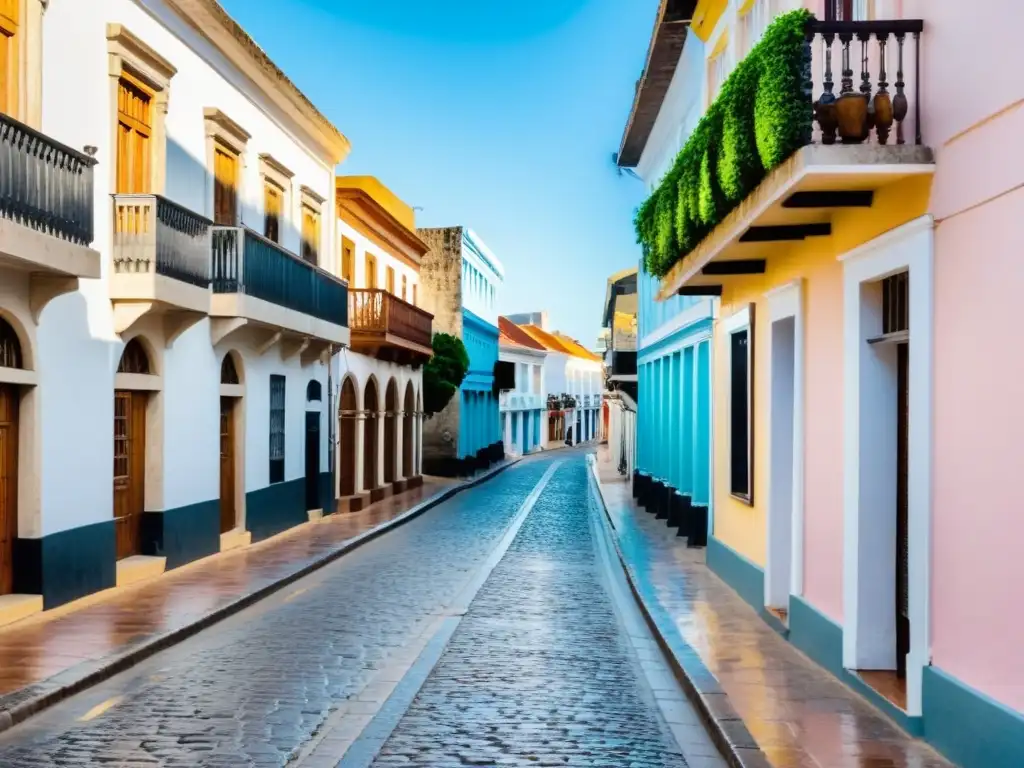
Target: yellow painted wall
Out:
[742,526]
[383,196]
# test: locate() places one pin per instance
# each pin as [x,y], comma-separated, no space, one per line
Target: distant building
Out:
[522,407]
[461,278]
[620,329]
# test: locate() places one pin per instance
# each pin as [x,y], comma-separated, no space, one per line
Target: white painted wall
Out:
[75,348]
[482,276]
[384,260]
[527,361]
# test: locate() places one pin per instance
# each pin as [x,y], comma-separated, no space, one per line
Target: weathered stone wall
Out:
[441,292]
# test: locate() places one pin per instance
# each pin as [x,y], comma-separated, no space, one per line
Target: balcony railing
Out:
[870,63]
[245,262]
[45,185]
[372,310]
[153,235]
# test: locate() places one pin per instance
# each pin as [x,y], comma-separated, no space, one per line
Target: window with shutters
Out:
[225,185]
[277,413]
[415,298]
[849,10]
[310,235]
[754,17]
[371,271]
[273,210]
[405,288]
[348,259]
[9,56]
[134,135]
[391,280]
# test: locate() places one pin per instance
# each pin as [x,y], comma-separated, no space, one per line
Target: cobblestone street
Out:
[540,672]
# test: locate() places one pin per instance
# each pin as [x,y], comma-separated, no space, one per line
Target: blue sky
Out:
[501,116]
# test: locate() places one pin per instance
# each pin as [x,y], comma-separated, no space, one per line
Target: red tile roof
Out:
[510,333]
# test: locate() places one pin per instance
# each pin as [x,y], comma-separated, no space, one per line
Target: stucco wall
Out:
[384,259]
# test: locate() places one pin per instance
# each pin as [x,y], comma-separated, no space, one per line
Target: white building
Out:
[522,407]
[574,382]
[162,392]
[381,376]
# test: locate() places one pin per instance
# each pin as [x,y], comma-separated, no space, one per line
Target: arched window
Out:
[314,392]
[228,372]
[134,358]
[10,347]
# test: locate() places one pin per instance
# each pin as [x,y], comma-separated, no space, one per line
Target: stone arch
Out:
[314,392]
[24,338]
[371,410]
[10,347]
[231,369]
[348,407]
[408,470]
[136,347]
[390,431]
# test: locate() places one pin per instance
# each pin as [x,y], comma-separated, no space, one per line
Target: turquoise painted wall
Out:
[480,418]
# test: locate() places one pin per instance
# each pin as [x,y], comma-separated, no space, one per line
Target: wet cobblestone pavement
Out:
[252,690]
[539,672]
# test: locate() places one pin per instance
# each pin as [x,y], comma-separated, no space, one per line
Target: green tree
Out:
[444,372]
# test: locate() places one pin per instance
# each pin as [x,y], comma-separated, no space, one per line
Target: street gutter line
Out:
[360,748]
[19,705]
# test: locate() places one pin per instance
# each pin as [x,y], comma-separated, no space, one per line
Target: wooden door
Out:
[8,484]
[347,439]
[225,186]
[902,510]
[129,470]
[227,465]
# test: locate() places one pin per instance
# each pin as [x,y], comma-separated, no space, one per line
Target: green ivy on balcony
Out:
[760,117]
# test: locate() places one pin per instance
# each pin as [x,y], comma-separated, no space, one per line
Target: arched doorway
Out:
[407,433]
[371,407]
[390,436]
[228,447]
[347,438]
[130,452]
[10,357]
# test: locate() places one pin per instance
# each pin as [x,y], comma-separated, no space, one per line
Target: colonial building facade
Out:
[522,407]
[619,330]
[461,279]
[380,377]
[862,411]
[168,294]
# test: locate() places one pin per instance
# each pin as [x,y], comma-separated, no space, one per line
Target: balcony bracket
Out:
[290,347]
[45,288]
[318,350]
[268,342]
[222,327]
[128,313]
[177,322]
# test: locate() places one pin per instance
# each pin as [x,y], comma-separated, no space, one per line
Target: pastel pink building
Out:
[867,427]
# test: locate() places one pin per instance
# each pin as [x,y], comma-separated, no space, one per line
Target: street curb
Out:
[726,728]
[15,708]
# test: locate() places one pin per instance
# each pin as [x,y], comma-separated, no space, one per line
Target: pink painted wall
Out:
[823,438]
[973,117]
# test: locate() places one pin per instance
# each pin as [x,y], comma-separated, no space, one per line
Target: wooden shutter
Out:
[391,280]
[405,287]
[225,186]
[135,131]
[348,259]
[310,234]
[371,271]
[9,56]
[273,204]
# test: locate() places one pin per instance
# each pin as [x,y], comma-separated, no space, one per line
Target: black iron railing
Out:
[866,79]
[154,234]
[246,262]
[45,185]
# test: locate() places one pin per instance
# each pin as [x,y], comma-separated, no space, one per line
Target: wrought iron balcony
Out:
[256,280]
[386,327]
[47,188]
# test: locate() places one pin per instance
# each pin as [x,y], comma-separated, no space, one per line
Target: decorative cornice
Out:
[313,195]
[210,20]
[276,165]
[219,124]
[359,209]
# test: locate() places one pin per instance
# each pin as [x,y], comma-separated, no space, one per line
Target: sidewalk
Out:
[796,712]
[50,656]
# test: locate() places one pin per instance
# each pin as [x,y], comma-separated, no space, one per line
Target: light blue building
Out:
[460,279]
[672,474]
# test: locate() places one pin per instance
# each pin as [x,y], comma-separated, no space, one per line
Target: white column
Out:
[379,479]
[399,442]
[508,430]
[529,430]
[359,448]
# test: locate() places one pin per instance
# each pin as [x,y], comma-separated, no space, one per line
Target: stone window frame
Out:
[221,129]
[128,53]
[25,19]
[277,173]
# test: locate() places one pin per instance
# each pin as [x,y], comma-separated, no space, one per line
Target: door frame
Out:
[313,408]
[785,527]
[237,393]
[868,478]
